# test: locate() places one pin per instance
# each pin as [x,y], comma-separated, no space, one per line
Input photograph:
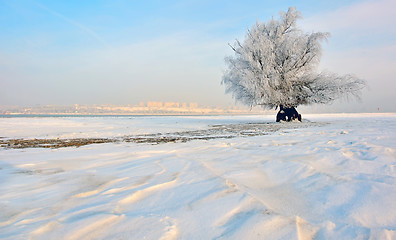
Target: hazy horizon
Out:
[121,53]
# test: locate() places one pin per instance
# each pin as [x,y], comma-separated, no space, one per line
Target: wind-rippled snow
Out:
[335,180]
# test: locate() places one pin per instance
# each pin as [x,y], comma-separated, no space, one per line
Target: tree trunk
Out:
[287,114]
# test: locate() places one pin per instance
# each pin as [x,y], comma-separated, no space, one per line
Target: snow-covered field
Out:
[334,177]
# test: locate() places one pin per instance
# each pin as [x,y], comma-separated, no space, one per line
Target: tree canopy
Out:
[277,64]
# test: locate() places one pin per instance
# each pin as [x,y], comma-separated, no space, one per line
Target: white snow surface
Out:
[116,126]
[331,181]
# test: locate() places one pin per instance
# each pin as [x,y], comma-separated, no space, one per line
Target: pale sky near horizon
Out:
[124,52]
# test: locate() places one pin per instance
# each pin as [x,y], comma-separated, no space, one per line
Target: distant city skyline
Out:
[149,108]
[121,52]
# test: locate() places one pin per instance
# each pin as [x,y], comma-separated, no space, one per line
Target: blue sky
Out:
[124,52]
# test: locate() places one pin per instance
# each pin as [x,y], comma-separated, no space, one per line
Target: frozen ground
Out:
[109,127]
[332,177]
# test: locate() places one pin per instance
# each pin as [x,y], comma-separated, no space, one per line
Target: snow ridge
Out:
[328,181]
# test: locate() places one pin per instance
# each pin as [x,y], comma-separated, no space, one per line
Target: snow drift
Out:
[329,181]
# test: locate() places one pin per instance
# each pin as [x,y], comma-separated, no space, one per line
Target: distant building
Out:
[154,104]
[193,105]
[171,104]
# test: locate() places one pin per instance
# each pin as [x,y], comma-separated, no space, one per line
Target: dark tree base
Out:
[287,114]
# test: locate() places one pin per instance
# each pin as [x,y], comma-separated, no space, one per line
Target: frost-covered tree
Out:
[277,66]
